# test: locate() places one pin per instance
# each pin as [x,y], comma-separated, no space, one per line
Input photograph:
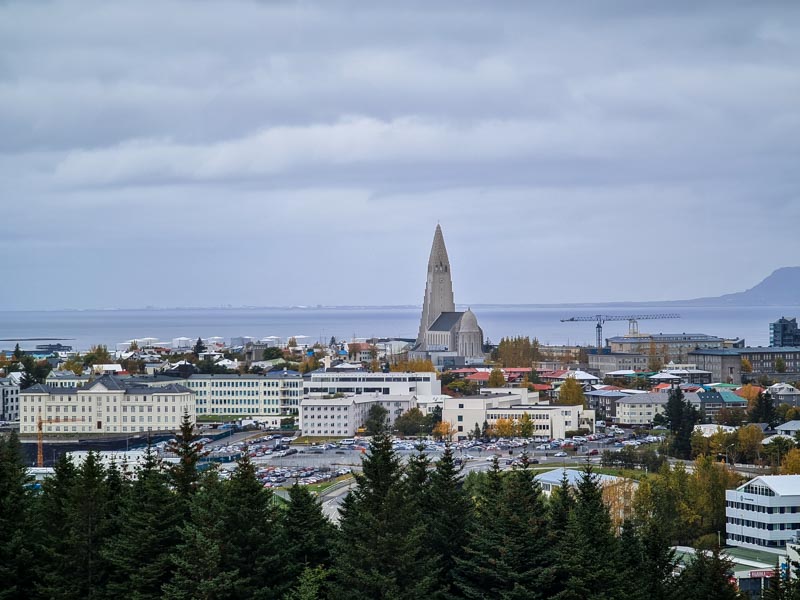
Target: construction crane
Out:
[40,435]
[633,322]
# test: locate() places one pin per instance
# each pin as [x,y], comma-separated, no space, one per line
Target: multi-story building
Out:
[784,332]
[767,362]
[265,398]
[344,416]
[640,409]
[764,513]
[362,382]
[548,421]
[603,363]
[725,364]
[61,379]
[783,393]
[9,400]
[667,346]
[107,405]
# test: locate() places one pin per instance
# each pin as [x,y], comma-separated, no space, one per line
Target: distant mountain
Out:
[781,288]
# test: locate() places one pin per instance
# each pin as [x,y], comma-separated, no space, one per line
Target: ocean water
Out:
[88,327]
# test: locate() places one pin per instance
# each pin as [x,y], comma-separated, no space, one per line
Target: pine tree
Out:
[16,549]
[478,574]
[76,569]
[308,534]
[200,570]
[590,574]
[146,533]
[707,577]
[448,512]
[255,548]
[526,554]
[310,586]
[184,474]
[379,551]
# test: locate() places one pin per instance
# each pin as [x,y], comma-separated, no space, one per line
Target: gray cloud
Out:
[316,144]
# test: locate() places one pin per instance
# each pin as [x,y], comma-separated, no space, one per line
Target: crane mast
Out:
[633,322]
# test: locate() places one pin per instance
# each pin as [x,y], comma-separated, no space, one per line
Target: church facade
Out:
[446,336]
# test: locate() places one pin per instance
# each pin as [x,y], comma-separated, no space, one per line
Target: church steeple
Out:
[439,286]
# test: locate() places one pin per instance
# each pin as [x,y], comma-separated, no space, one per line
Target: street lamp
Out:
[727,458]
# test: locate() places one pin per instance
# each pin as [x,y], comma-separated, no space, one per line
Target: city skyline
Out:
[266,154]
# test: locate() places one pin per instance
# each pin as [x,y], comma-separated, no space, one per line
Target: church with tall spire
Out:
[445,334]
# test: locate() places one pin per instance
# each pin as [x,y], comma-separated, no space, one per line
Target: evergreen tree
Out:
[16,549]
[527,556]
[448,512]
[184,474]
[76,569]
[310,586]
[589,574]
[199,347]
[682,418]
[379,551]
[200,570]
[763,410]
[146,533]
[707,577]
[254,548]
[308,534]
[478,574]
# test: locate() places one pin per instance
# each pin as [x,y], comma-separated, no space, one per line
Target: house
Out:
[783,393]
[789,428]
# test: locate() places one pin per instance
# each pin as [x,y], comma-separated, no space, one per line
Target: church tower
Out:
[438,289]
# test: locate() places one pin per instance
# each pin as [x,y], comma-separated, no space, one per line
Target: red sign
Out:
[760,574]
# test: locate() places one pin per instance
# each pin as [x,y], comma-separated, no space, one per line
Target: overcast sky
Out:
[279,153]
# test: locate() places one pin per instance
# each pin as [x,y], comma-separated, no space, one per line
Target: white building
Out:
[9,400]
[106,405]
[61,379]
[640,409]
[550,480]
[344,416]
[548,421]
[764,513]
[265,398]
[361,382]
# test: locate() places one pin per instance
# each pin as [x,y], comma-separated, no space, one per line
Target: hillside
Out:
[781,288]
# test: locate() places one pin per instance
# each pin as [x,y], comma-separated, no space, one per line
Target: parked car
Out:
[560,454]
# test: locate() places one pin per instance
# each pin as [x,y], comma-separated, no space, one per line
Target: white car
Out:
[561,454]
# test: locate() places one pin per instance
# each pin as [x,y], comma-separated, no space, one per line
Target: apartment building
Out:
[608,362]
[667,346]
[9,400]
[265,398]
[327,382]
[107,405]
[548,421]
[764,513]
[640,409]
[344,416]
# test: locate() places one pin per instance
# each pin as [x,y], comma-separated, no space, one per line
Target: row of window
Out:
[760,525]
[763,509]
[756,541]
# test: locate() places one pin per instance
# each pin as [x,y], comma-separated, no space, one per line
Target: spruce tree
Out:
[76,569]
[527,555]
[199,560]
[448,512]
[707,577]
[254,546]
[184,474]
[479,574]
[307,532]
[379,551]
[589,574]
[17,556]
[145,534]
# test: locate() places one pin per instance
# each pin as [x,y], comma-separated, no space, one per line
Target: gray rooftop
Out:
[445,321]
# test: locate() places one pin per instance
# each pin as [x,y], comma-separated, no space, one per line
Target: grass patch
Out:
[310,441]
[319,488]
